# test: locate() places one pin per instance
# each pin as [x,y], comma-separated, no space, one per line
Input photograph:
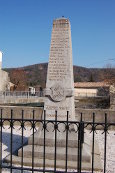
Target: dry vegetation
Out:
[35,75]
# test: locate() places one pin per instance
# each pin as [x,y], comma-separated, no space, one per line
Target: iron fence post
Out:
[67,129]
[11,139]
[33,127]
[44,147]
[93,143]
[105,143]
[22,140]
[55,128]
[80,143]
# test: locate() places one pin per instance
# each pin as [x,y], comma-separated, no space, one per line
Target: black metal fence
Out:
[80,130]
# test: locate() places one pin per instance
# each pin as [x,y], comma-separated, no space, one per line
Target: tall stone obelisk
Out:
[60,83]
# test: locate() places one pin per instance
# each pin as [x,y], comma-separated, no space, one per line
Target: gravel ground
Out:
[99,137]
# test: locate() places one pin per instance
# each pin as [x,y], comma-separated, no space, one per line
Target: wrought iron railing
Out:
[20,94]
[34,124]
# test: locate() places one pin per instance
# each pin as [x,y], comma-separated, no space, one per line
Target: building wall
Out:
[0,60]
[85,92]
[4,81]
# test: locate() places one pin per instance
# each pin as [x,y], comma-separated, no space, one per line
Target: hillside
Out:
[35,75]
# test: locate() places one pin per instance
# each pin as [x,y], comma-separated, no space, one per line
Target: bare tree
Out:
[108,74]
[19,78]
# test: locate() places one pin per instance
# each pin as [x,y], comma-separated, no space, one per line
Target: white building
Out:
[0,60]
[4,78]
[89,89]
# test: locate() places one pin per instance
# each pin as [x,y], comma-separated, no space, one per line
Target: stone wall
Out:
[4,80]
[99,115]
[20,100]
[17,112]
[92,102]
[112,97]
[87,113]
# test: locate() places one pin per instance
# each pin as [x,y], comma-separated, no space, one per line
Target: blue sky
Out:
[26,25]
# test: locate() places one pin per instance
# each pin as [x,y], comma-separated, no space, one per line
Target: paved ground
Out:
[110,150]
[99,136]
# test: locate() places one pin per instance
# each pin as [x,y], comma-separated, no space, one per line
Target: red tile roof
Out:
[90,84]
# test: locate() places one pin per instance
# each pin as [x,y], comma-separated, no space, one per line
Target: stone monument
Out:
[60,83]
[59,97]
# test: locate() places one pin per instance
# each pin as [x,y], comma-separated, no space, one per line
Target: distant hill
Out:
[34,75]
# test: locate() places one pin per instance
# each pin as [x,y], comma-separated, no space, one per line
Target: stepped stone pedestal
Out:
[72,157]
[60,98]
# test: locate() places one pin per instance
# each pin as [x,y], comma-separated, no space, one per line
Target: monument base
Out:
[72,150]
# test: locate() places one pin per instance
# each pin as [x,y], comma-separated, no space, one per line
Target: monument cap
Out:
[61,20]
